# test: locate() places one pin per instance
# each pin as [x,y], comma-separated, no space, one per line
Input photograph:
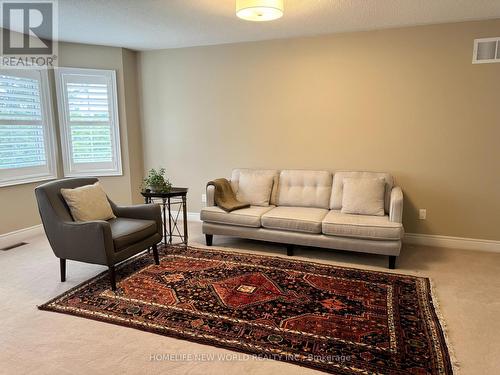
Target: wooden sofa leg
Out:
[62,266]
[112,277]
[289,250]
[155,254]
[392,262]
[209,239]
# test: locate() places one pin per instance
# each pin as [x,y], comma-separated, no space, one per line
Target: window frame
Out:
[48,171]
[89,169]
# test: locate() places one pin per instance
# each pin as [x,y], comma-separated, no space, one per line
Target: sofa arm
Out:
[140,211]
[210,195]
[396,205]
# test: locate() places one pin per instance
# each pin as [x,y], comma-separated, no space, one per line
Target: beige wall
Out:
[407,101]
[136,161]
[17,203]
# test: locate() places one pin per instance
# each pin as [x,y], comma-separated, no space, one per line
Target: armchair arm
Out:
[396,205]
[89,241]
[140,211]
[210,195]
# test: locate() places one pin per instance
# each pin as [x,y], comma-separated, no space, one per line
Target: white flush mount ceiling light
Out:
[259,10]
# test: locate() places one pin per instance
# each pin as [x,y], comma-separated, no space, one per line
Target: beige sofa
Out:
[304,209]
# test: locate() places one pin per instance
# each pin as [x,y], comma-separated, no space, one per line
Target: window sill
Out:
[95,174]
[27,181]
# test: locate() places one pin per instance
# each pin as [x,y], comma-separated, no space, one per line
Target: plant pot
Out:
[159,188]
[156,189]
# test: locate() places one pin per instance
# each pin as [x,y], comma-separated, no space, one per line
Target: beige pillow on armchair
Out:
[88,203]
[363,196]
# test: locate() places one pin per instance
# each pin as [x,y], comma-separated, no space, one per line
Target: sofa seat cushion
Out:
[361,226]
[245,217]
[126,232]
[297,219]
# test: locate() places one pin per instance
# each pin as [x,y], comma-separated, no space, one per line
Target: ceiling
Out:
[155,24]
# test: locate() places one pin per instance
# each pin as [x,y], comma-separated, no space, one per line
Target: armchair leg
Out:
[155,254]
[112,277]
[209,238]
[289,250]
[392,262]
[62,266]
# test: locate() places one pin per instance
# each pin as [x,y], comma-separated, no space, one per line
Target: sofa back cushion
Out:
[249,173]
[303,188]
[338,184]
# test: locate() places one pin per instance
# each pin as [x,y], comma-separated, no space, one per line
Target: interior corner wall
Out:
[407,101]
[132,109]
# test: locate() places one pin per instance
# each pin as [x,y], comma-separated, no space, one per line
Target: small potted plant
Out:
[156,181]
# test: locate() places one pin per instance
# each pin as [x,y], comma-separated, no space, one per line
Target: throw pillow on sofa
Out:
[363,196]
[88,203]
[254,188]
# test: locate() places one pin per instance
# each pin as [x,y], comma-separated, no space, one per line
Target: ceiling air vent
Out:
[486,50]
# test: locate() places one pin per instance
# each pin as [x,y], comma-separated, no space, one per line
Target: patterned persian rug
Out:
[334,319]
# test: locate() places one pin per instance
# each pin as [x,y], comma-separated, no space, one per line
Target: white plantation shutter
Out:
[88,116]
[27,149]
[88,105]
[21,146]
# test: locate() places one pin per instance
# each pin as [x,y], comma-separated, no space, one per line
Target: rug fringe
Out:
[437,308]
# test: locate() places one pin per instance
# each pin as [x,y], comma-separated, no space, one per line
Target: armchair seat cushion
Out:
[126,232]
[337,223]
[244,217]
[298,219]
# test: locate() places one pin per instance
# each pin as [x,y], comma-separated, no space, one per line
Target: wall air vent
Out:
[486,50]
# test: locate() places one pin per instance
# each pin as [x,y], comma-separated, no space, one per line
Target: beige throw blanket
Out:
[225,197]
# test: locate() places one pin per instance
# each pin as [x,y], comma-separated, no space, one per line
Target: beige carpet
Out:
[39,342]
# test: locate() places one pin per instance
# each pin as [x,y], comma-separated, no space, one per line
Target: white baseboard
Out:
[193,216]
[21,235]
[452,242]
[430,240]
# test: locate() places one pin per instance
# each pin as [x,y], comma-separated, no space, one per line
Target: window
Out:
[88,119]
[27,146]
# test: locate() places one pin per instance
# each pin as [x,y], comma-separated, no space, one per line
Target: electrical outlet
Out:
[203,198]
[422,214]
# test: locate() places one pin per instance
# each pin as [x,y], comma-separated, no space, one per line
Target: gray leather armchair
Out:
[135,229]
